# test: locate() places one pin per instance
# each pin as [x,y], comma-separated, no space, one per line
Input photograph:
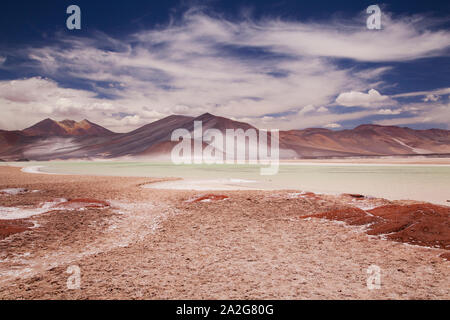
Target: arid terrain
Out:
[139,243]
[68,139]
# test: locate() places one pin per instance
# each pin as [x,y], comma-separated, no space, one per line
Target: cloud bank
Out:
[270,72]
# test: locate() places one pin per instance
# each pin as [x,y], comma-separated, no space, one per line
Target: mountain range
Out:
[68,139]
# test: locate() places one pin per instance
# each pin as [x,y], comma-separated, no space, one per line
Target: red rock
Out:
[10,227]
[445,256]
[212,197]
[419,224]
[355,195]
[350,215]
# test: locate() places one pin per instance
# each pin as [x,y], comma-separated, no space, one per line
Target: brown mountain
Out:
[49,139]
[367,140]
[49,127]
[68,139]
[209,121]
[11,140]
[155,138]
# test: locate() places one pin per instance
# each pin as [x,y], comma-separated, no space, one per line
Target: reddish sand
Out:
[421,224]
[309,195]
[83,203]
[10,227]
[153,244]
[211,197]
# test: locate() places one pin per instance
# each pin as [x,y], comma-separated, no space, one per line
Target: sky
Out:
[274,64]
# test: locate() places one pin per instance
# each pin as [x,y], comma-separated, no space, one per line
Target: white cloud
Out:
[430,113]
[359,99]
[307,109]
[373,73]
[197,65]
[431,97]
[333,126]
[25,102]
[296,121]
[438,92]
[389,111]
[401,39]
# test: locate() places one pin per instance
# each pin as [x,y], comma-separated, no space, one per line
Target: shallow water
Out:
[416,182]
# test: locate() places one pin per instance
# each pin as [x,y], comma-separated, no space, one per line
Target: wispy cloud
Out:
[438,92]
[360,99]
[431,113]
[242,69]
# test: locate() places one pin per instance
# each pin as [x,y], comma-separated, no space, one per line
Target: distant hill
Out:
[69,139]
[368,140]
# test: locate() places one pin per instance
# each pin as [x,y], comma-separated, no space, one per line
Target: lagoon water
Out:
[416,182]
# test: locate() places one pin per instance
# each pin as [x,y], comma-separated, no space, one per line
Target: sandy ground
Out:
[160,244]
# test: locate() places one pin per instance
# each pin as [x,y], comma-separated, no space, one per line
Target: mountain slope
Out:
[49,127]
[155,138]
[12,141]
[68,139]
[49,139]
[366,140]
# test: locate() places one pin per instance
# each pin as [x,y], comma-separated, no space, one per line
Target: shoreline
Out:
[236,180]
[385,161]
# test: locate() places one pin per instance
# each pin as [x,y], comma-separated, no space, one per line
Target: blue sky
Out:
[275,64]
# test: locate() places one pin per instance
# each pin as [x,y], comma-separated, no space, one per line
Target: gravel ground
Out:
[160,244]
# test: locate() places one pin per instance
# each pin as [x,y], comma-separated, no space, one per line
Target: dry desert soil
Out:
[131,242]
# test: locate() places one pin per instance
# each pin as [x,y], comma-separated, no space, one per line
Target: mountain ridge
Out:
[69,139]
[50,127]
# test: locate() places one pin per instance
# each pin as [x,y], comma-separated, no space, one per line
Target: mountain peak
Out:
[45,121]
[66,127]
[206,115]
[155,139]
[67,122]
[222,123]
[46,127]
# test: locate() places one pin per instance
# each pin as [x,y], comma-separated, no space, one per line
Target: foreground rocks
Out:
[421,224]
[10,227]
